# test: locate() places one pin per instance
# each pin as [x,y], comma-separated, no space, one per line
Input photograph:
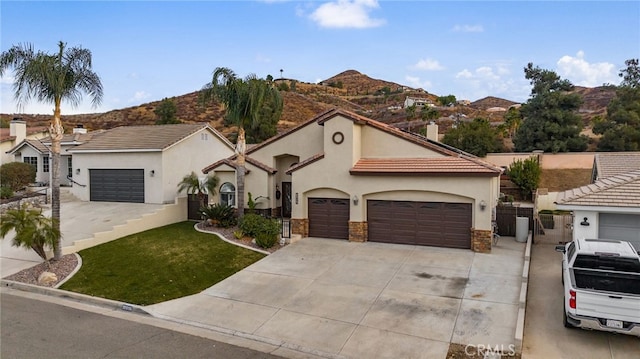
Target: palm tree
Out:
[192,185]
[33,229]
[53,78]
[248,101]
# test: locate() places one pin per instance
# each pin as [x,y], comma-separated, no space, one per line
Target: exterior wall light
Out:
[355,199]
[152,173]
[77,171]
[483,205]
[585,222]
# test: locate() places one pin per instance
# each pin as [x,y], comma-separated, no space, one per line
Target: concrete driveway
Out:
[544,334]
[334,298]
[79,220]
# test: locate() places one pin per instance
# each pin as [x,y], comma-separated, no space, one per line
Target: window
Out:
[228,194]
[45,164]
[32,161]
[69,167]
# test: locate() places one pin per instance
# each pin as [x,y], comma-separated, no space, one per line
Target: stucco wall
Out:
[379,144]
[147,161]
[304,143]
[547,160]
[28,151]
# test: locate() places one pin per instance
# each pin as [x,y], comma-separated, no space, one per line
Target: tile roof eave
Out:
[359,172]
[305,163]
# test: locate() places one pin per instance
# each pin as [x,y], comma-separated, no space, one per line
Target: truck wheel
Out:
[565,322]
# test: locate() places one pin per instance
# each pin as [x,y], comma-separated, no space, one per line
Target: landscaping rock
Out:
[47,277]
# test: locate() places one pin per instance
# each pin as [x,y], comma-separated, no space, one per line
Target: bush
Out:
[265,231]
[251,224]
[6,192]
[222,215]
[16,175]
[269,234]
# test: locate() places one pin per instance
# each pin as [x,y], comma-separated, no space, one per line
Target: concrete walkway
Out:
[79,220]
[334,298]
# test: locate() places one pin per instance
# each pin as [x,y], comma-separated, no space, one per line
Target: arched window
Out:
[228,194]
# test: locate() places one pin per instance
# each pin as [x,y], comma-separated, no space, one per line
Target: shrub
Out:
[16,175]
[222,215]
[265,231]
[251,224]
[269,234]
[6,192]
[525,174]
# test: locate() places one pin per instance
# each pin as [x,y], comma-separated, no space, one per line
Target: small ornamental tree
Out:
[526,175]
[16,175]
[166,112]
[33,230]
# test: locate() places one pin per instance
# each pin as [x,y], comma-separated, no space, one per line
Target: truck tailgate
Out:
[612,306]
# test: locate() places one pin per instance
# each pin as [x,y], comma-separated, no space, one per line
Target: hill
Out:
[378,99]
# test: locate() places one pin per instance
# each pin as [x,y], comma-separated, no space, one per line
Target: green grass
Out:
[158,265]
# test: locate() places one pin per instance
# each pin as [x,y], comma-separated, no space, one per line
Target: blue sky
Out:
[147,50]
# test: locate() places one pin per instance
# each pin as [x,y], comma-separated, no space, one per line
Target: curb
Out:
[87,299]
[195,226]
[73,272]
[519,335]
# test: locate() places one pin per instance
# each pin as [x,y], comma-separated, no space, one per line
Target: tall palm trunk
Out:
[56,131]
[240,171]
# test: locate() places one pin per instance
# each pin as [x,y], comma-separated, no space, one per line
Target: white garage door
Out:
[620,226]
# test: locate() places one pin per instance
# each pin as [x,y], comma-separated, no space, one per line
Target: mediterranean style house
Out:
[342,175]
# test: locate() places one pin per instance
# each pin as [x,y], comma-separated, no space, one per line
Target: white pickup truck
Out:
[601,281]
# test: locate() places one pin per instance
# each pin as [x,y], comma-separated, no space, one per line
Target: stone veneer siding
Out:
[481,240]
[300,226]
[358,232]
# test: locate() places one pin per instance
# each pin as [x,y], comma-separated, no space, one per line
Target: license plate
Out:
[614,323]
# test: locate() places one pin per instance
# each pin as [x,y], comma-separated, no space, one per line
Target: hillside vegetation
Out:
[377,99]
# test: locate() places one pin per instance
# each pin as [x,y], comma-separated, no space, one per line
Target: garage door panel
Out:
[620,226]
[329,217]
[422,223]
[116,185]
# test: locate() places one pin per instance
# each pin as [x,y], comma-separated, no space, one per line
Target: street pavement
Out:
[33,328]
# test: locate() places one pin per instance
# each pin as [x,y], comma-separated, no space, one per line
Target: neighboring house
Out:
[608,208]
[37,153]
[341,175]
[15,134]
[419,102]
[143,164]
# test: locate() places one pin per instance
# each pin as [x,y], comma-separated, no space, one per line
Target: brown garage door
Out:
[423,223]
[329,217]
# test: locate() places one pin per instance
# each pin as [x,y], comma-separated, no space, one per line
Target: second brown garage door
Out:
[329,217]
[440,224]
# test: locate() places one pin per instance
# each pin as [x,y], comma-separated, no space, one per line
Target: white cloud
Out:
[494,80]
[347,14]
[139,96]
[262,59]
[427,65]
[415,82]
[582,73]
[468,28]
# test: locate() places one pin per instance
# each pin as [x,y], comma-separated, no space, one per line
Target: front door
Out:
[286,199]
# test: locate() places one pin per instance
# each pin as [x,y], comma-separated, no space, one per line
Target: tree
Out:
[525,174]
[476,137]
[192,185]
[549,118]
[53,78]
[411,111]
[249,103]
[512,121]
[448,100]
[621,129]
[16,175]
[429,113]
[33,230]
[166,112]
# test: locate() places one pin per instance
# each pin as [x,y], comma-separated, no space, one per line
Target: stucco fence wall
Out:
[547,160]
[169,214]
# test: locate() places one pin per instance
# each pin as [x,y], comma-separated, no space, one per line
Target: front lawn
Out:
[158,265]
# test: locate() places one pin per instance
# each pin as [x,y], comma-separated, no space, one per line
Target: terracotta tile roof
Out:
[231,161]
[612,164]
[142,138]
[440,166]
[622,190]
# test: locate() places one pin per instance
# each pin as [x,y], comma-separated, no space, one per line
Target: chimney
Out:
[432,131]
[79,129]
[18,128]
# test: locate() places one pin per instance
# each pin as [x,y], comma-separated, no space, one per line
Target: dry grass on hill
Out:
[563,179]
